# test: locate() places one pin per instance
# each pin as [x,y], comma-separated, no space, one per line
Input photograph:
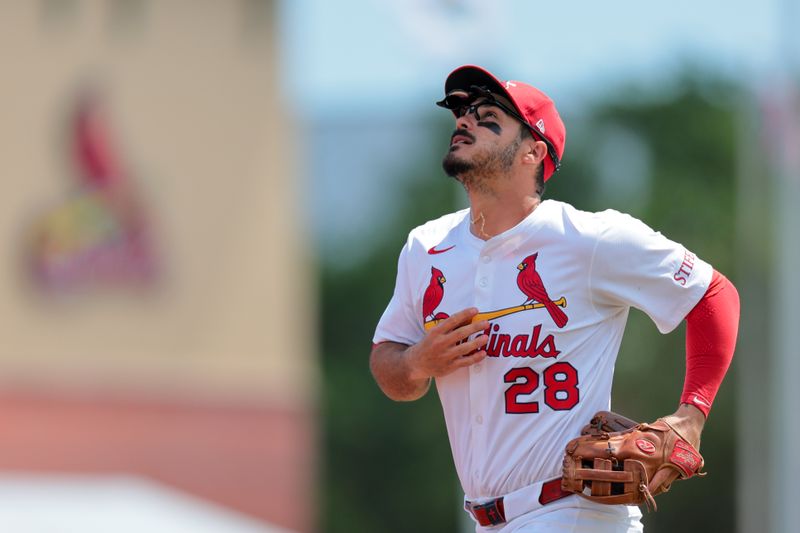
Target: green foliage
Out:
[387,466]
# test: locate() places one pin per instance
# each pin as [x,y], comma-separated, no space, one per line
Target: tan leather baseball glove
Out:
[615,460]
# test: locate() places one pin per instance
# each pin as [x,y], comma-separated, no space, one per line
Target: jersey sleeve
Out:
[634,266]
[399,323]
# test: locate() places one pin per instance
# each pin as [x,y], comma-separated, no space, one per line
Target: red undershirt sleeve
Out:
[711,329]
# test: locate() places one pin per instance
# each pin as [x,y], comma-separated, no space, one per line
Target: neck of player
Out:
[495,211]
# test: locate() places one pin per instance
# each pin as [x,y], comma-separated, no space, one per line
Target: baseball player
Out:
[516,307]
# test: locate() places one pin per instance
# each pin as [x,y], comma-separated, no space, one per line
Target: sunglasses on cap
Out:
[461,103]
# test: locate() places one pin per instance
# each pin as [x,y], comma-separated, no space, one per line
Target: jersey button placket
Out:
[483,280]
[479,374]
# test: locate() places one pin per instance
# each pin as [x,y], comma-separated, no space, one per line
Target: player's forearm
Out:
[390,365]
[710,342]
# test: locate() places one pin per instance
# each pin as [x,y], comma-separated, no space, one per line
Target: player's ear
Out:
[535,152]
[528,157]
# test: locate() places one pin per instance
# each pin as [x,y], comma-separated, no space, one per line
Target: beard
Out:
[478,172]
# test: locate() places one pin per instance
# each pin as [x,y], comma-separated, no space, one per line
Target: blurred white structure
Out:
[784,332]
[99,504]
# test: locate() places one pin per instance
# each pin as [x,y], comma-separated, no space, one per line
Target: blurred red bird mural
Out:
[100,232]
[530,283]
[433,296]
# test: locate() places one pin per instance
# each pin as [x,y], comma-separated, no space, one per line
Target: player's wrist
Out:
[688,422]
[415,371]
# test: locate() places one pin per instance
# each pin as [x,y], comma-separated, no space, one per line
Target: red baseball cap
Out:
[536,110]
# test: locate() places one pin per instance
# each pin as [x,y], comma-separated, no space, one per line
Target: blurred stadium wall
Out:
[156,317]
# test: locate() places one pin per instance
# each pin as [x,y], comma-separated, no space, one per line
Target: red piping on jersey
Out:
[711,329]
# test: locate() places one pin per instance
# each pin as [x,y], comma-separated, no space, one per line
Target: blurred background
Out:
[202,207]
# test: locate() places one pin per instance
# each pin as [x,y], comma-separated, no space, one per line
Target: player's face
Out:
[485,142]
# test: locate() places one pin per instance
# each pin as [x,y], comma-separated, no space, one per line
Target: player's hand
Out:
[688,421]
[443,349]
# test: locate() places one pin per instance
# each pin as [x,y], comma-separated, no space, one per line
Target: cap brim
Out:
[469,75]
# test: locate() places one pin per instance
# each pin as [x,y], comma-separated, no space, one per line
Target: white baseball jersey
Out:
[557,288]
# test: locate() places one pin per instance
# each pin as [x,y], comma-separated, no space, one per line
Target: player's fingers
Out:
[470,346]
[464,332]
[455,320]
[663,478]
[471,359]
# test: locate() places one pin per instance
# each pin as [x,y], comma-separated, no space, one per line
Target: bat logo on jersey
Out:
[433,296]
[530,283]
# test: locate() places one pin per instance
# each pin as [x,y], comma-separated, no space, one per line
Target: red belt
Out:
[493,513]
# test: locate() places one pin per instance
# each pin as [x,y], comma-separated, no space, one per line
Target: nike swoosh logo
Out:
[701,402]
[434,251]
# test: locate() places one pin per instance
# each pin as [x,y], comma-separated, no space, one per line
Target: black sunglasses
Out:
[458,101]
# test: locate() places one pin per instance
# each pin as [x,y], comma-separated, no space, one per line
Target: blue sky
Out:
[362,76]
[397,52]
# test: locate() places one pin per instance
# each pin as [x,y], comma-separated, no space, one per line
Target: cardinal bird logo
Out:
[433,296]
[530,283]
[100,233]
